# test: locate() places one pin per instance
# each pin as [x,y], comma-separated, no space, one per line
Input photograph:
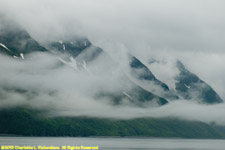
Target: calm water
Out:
[118,143]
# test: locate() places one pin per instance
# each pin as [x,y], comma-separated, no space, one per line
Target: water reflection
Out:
[118,143]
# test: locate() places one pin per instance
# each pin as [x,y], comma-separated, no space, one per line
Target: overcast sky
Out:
[181,25]
[190,30]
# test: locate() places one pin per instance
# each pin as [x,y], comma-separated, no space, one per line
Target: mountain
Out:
[142,75]
[15,41]
[79,48]
[73,47]
[76,53]
[189,86]
[134,86]
[81,52]
[185,84]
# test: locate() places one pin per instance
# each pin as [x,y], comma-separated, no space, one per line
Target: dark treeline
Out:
[26,122]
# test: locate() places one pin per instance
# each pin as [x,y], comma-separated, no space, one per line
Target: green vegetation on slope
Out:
[26,122]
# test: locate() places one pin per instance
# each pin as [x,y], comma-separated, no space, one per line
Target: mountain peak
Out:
[190,86]
[73,47]
[17,40]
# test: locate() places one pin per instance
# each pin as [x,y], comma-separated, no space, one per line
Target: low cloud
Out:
[41,82]
[191,31]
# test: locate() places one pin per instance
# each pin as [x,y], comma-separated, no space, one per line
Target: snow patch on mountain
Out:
[72,63]
[64,48]
[187,86]
[2,45]
[22,56]
[126,94]
[85,66]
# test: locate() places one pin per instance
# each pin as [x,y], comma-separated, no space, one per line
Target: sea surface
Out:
[110,143]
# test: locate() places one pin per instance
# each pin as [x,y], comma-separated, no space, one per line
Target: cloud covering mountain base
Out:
[42,83]
[147,30]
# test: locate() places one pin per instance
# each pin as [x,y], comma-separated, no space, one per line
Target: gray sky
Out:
[180,25]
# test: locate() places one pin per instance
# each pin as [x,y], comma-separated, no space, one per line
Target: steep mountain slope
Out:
[183,83]
[73,47]
[189,86]
[82,55]
[145,78]
[137,88]
[15,41]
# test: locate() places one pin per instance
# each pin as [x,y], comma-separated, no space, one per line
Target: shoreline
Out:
[108,137]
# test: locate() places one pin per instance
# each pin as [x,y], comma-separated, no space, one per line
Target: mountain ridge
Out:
[17,42]
[137,88]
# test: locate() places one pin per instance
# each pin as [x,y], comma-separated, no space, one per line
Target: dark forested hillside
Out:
[25,122]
